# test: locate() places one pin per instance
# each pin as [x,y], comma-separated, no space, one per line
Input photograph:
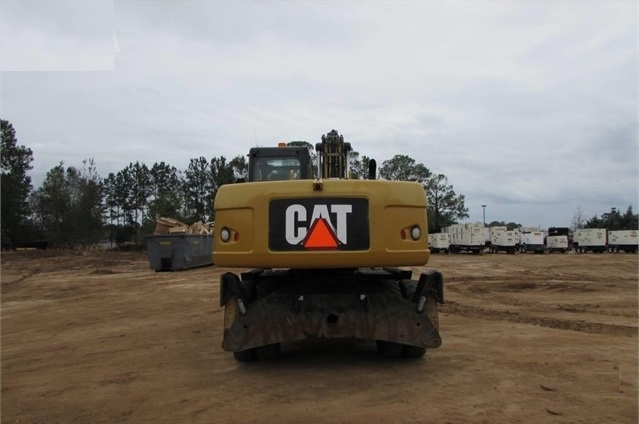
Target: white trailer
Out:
[590,240]
[517,232]
[489,231]
[504,241]
[466,237]
[438,242]
[533,241]
[626,240]
[557,244]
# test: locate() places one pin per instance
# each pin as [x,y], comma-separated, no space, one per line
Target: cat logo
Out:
[321,233]
[324,224]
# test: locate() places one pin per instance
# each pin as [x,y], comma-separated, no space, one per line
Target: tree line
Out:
[77,206]
[612,221]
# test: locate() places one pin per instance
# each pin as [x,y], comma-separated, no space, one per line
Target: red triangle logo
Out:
[321,236]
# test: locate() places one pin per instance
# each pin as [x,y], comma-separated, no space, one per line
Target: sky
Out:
[528,107]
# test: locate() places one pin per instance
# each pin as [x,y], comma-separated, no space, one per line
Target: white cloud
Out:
[56,35]
[530,107]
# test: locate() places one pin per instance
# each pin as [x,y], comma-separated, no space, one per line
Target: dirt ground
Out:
[101,338]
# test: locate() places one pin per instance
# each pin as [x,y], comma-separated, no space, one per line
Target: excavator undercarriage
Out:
[264,308]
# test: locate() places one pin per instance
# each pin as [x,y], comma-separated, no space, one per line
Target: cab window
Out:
[277,169]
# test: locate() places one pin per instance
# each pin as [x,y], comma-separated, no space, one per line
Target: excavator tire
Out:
[390,349]
[245,355]
[407,288]
[268,352]
[413,351]
[261,353]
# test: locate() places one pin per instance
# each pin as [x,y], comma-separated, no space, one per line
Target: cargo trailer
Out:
[466,238]
[623,240]
[503,241]
[533,241]
[561,231]
[590,240]
[438,242]
[557,244]
[489,231]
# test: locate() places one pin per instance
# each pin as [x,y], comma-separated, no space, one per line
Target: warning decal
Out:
[320,236]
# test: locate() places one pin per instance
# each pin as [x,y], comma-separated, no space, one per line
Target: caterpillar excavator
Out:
[323,252]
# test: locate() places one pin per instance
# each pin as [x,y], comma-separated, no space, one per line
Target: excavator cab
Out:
[279,163]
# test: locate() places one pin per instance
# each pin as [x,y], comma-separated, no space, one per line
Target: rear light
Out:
[225,235]
[415,233]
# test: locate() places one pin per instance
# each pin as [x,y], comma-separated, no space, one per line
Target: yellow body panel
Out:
[393,206]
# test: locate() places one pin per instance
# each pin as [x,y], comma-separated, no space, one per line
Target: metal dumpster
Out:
[179,251]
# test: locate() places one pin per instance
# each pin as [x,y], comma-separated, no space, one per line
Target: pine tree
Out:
[15,185]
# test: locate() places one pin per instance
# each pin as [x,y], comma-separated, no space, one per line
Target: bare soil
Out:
[102,338]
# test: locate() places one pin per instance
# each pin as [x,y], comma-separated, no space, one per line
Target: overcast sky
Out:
[528,107]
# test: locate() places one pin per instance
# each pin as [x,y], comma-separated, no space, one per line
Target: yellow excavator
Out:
[323,252]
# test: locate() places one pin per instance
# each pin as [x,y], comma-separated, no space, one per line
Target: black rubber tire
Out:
[245,355]
[413,351]
[390,349]
[408,288]
[249,290]
[265,287]
[268,352]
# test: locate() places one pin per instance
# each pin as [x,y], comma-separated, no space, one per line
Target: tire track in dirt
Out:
[504,299]
[13,285]
[466,311]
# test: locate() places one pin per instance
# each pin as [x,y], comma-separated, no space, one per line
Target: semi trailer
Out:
[590,240]
[623,241]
